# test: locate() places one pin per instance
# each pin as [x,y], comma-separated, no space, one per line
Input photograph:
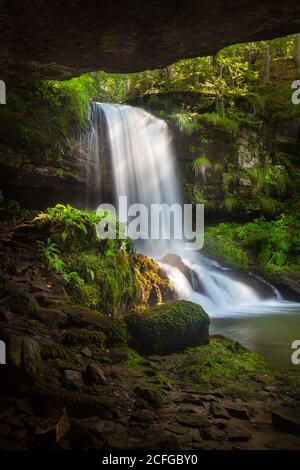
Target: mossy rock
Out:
[85,337]
[168,328]
[152,284]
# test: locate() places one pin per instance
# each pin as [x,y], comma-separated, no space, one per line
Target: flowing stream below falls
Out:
[241,306]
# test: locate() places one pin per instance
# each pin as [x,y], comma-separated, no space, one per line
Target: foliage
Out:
[274,245]
[186,121]
[200,164]
[221,121]
[230,202]
[103,274]
[52,255]
[220,242]
[69,226]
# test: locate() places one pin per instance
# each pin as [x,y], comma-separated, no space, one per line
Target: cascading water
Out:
[144,170]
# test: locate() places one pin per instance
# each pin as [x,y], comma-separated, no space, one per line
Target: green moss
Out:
[168,328]
[85,337]
[152,285]
[226,364]
[54,351]
[134,359]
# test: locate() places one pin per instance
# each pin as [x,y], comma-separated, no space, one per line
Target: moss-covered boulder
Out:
[168,328]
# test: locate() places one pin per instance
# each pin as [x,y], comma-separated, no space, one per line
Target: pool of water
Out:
[269,334]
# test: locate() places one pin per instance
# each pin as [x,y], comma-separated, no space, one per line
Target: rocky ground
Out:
[71,380]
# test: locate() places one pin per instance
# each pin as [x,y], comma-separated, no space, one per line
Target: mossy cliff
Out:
[41,162]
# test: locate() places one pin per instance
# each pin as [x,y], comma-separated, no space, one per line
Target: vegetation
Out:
[102,274]
[225,363]
[273,246]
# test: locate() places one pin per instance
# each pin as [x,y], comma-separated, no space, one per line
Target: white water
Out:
[144,170]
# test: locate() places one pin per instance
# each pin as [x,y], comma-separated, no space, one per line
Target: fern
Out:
[199,166]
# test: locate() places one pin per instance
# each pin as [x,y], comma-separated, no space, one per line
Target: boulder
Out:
[168,328]
[52,317]
[93,374]
[23,362]
[286,420]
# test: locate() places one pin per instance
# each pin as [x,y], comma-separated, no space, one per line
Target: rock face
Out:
[116,37]
[168,328]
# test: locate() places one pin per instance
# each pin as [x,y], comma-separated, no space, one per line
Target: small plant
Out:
[186,121]
[73,276]
[51,254]
[230,202]
[199,166]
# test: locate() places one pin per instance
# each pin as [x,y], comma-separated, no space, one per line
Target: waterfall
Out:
[144,170]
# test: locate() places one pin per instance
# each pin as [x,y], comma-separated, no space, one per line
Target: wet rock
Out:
[174,260]
[168,328]
[53,318]
[93,374]
[287,421]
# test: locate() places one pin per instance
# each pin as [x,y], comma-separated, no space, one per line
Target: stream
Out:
[241,306]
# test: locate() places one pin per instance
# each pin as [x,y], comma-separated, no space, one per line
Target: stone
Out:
[23,359]
[93,374]
[237,412]
[108,36]
[218,412]
[168,328]
[235,434]
[143,416]
[164,440]
[6,314]
[152,397]
[53,318]
[86,352]
[78,405]
[72,379]
[286,420]
[195,421]
[51,431]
